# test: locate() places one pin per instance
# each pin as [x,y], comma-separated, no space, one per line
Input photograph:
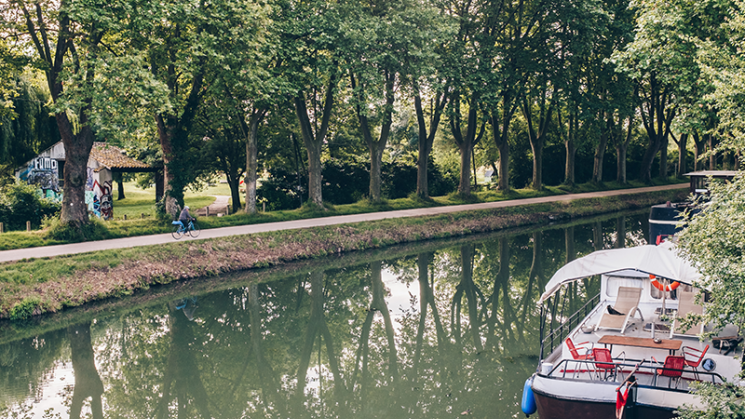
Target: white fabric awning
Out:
[661,261]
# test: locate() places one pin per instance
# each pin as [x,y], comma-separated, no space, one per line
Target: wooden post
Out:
[1,228]
[125,217]
[28,225]
[263,207]
[208,211]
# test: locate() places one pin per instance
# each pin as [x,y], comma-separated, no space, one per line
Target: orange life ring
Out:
[659,286]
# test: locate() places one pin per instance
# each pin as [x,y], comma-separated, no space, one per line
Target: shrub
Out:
[348,181]
[24,309]
[20,202]
[93,230]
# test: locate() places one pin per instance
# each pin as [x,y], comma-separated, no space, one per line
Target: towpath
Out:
[68,249]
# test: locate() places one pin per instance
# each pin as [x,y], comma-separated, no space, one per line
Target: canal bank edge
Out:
[48,285]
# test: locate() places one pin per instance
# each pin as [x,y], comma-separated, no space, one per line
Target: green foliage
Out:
[20,203]
[714,241]
[722,402]
[25,309]
[27,128]
[346,182]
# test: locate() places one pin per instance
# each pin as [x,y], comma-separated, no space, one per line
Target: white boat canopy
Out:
[661,261]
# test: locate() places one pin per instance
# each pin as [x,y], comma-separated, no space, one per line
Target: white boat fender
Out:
[528,401]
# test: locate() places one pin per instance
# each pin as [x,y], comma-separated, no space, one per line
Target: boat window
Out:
[615,282]
[672,295]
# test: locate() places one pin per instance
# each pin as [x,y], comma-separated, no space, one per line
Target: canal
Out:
[440,329]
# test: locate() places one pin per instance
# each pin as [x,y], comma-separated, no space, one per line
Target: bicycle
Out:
[192,229]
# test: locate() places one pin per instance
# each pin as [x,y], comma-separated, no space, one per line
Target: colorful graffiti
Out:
[44,173]
[50,195]
[99,200]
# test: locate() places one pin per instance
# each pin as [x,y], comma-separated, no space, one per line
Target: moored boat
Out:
[625,353]
[665,219]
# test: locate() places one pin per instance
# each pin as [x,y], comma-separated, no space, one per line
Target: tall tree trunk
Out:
[657,117]
[570,143]
[597,166]
[77,150]
[469,140]
[464,185]
[375,146]
[235,194]
[537,137]
[682,144]
[712,157]
[664,145]
[173,134]
[252,152]
[314,139]
[425,140]
[622,144]
[500,124]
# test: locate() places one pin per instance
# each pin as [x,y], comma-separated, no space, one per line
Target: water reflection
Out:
[430,333]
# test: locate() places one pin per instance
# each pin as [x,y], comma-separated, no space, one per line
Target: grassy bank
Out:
[49,285]
[158,295]
[141,220]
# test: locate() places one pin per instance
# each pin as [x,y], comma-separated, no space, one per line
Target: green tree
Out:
[27,128]
[661,62]
[309,41]
[66,40]
[385,41]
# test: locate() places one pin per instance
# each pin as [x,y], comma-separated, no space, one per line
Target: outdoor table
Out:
[669,344]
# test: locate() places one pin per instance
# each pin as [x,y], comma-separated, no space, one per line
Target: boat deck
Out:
[635,348]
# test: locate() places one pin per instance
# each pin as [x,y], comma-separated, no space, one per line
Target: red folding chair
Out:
[574,350]
[673,369]
[604,362]
[693,357]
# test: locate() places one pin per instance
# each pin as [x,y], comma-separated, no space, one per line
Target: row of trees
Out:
[209,77]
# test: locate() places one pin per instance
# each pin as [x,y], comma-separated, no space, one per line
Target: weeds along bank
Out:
[35,287]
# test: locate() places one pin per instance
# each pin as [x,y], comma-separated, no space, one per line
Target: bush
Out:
[280,191]
[347,182]
[25,309]
[20,202]
[93,230]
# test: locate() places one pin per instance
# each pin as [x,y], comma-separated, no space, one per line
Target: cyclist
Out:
[185,217]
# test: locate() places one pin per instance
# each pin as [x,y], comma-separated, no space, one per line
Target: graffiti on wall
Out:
[43,172]
[99,200]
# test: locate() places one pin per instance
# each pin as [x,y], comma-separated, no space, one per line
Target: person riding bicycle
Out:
[185,217]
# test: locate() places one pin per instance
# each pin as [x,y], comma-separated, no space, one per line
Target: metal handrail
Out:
[562,331]
[638,365]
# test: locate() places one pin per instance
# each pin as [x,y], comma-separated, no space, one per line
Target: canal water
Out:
[443,329]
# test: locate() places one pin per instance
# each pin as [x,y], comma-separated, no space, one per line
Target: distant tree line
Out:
[340,100]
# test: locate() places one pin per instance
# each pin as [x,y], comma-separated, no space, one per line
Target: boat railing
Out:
[558,334]
[591,370]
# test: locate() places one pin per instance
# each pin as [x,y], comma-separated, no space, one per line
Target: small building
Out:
[47,171]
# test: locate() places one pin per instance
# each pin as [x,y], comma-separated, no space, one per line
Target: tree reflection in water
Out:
[332,344]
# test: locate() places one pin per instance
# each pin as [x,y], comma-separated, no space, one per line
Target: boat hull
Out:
[555,407]
[575,399]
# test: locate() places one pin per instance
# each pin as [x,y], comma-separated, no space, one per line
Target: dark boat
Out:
[665,219]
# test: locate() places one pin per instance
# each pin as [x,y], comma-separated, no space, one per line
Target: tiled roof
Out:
[114,158]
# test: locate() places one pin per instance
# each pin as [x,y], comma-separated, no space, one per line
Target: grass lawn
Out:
[140,201]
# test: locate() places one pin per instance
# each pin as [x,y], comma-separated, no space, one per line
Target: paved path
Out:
[66,249]
[219,206]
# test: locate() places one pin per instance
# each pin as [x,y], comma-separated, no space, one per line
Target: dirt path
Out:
[66,249]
